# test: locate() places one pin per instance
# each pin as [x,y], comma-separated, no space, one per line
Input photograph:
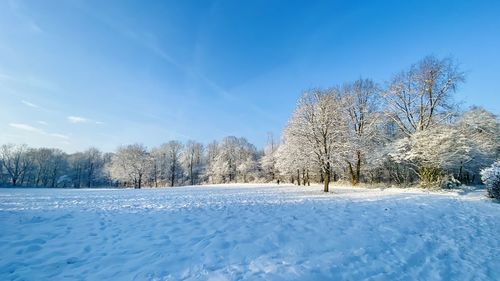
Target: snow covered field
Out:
[247,232]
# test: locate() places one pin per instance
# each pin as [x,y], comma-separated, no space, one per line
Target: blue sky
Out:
[75,74]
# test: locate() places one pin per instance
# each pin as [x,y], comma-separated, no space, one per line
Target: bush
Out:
[430,176]
[449,182]
[491,178]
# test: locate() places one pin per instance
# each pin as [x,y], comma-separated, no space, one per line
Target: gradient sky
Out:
[75,74]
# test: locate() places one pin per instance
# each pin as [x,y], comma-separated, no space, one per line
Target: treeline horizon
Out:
[408,132]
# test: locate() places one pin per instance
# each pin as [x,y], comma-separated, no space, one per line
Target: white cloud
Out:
[26,127]
[77,119]
[61,136]
[27,103]
[81,120]
[42,122]
[29,128]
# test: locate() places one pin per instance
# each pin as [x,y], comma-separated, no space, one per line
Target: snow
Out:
[234,232]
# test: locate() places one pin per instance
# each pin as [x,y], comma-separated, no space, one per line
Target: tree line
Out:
[409,131]
[171,164]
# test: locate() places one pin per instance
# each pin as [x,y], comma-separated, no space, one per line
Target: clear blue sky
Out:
[104,73]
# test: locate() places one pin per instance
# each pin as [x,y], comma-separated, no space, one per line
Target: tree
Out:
[130,163]
[432,152]
[268,160]
[225,159]
[362,101]
[172,151]
[77,168]
[460,149]
[93,165]
[192,161]
[293,159]
[480,130]
[421,96]
[211,173]
[15,160]
[491,178]
[316,126]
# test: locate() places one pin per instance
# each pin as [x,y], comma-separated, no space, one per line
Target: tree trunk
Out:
[351,173]
[191,173]
[358,167]
[304,177]
[298,177]
[327,178]
[308,180]
[172,179]
[91,172]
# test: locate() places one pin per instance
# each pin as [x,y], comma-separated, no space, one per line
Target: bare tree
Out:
[192,160]
[94,163]
[15,160]
[421,96]
[362,101]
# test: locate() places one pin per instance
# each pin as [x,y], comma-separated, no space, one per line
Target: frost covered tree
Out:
[166,164]
[233,159]
[491,178]
[421,96]
[294,162]
[212,151]
[431,152]
[173,151]
[157,173]
[268,160]
[93,165]
[480,130]
[317,127]
[131,163]
[460,149]
[192,161]
[361,105]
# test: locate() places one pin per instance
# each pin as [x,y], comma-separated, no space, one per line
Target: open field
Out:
[251,232]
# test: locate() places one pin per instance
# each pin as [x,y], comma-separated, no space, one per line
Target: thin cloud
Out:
[61,136]
[26,127]
[29,128]
[42,123]
[77,119]
[27,103]
[81,120]
[18,10]
[36,106]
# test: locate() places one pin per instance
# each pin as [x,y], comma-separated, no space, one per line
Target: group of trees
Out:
[409,131]
[231,160]
[48,167]
[170,164]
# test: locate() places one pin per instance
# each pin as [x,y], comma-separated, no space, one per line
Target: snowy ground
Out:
[247,232]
